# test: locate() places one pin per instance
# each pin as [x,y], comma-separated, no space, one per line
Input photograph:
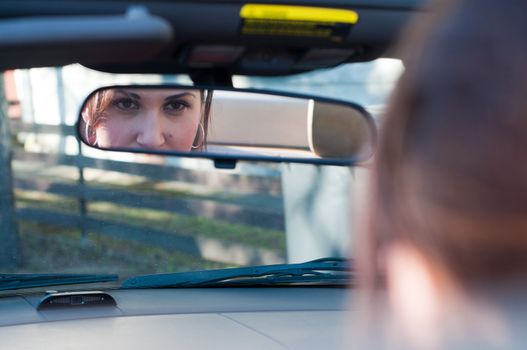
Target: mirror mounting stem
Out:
[212,77]
[228,164]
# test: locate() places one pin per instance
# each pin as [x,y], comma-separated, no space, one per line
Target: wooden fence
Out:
[236,210]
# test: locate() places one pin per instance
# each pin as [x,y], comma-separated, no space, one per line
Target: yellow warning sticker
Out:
[285,20]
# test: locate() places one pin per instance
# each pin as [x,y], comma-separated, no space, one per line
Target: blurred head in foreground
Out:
[446,238]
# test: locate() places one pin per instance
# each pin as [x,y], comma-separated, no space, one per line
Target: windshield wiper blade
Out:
[321,270]
[331,279]
[29,280]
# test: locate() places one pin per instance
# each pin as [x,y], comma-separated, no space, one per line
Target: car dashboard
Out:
[193,318]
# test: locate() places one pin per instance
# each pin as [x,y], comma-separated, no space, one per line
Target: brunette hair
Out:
[450,176]
[97,103]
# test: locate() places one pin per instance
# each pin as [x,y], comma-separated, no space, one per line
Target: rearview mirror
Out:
[226,124]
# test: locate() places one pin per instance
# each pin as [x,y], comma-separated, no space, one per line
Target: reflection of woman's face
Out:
[151,119]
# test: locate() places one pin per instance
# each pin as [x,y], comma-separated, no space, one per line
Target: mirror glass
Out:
[234,123]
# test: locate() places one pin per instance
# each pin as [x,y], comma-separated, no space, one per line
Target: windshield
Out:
[71,209]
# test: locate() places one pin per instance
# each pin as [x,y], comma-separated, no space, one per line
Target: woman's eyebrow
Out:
[180,95]
[129,94]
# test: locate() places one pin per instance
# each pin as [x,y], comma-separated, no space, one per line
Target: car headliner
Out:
[70,32]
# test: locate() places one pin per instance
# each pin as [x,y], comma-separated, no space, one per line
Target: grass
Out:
[118,181]
[63,250]
[190,225]
[57,248]
[44,200]
[159,220]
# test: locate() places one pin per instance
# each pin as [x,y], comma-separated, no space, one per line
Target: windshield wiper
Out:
[23,280]
[320,271]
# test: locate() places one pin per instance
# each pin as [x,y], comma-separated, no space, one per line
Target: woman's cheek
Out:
[115,133]
[180,136]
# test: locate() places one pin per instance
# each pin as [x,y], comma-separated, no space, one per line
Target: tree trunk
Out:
[10,255]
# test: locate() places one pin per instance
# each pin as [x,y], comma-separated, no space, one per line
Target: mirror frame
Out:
[229,161]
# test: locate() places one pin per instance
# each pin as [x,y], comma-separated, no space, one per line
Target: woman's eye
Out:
[126,104]
[176,106]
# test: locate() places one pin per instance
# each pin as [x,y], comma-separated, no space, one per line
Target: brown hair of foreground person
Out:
[449,186]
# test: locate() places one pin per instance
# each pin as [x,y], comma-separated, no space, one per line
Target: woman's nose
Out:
[150,134]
